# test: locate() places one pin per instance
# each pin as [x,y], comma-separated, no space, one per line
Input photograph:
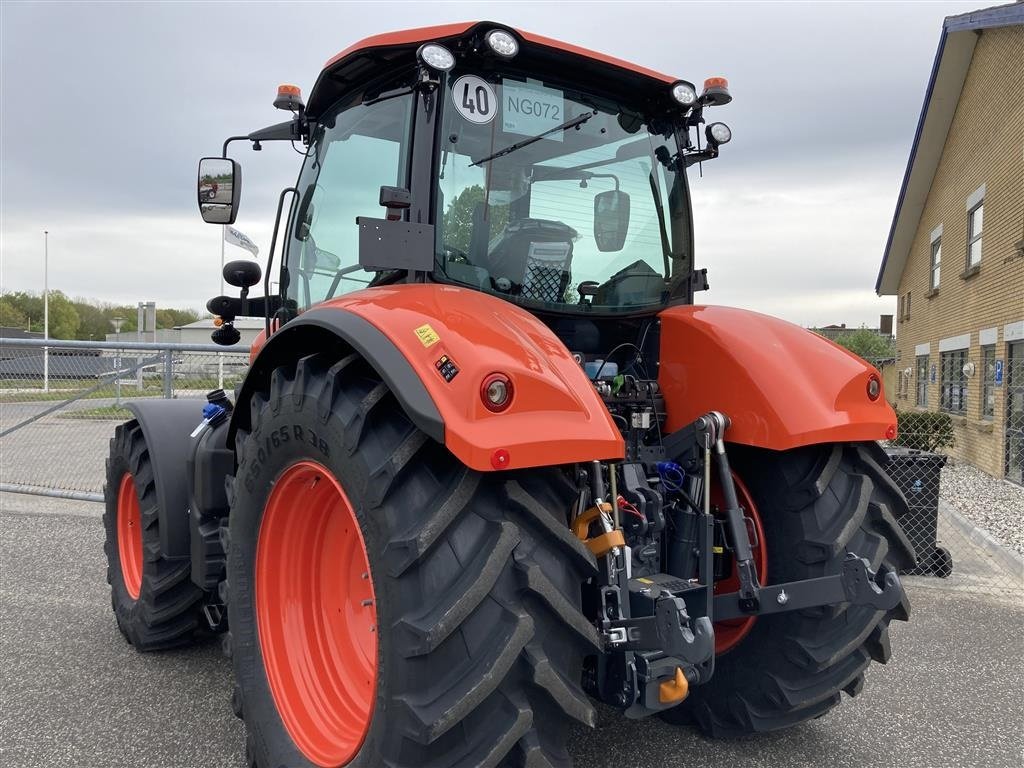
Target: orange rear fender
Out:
[422,331]
[781,385]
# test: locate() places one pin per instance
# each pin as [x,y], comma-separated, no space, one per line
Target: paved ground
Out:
[73,693]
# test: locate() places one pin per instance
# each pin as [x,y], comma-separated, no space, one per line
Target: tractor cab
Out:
[543,174]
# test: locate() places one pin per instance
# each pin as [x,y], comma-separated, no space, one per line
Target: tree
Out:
[172,318]
[867,344]
[458,219]
[63,317]
[28,304]
[11,315]
[93,322]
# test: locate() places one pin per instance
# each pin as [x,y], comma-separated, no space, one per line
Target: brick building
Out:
[955,254]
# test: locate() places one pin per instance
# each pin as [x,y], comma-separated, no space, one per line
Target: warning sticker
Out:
[530,109]
[474,99]
[427,335]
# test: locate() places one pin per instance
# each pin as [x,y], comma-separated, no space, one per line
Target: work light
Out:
[684,93]
[436,57]
[719,133]
[502,43]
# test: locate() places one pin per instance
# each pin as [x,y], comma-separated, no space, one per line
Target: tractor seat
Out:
[535,255]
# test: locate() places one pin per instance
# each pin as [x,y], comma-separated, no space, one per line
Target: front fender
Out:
[166,427]
[403,331]
[781,385]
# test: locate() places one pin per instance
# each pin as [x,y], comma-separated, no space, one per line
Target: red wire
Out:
[623,504]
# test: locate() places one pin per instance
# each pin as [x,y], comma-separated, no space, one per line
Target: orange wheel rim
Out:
[129,535]
[729,633]
[316,614]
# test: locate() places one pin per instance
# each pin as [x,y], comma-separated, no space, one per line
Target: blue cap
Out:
[211,411]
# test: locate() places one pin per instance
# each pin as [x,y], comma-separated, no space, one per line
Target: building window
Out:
[975,224]
[936,263]
[922,381]
[954,382]
[988,381]
[906,305]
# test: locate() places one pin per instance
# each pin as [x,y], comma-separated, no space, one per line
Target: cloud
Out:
[109,106]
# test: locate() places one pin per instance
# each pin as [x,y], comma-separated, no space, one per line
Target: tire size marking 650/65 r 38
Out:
[293,433]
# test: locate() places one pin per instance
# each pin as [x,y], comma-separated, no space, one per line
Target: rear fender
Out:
[781,385]
[403,331]
[166,426]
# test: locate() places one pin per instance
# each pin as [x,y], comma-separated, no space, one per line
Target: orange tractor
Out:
[491,464]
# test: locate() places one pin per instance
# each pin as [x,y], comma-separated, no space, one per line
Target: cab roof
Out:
[360,61]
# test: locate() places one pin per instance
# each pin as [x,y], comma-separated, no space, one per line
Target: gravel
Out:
[995,505]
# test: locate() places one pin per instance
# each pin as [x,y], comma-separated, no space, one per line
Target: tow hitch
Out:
[658,628]
[855,585]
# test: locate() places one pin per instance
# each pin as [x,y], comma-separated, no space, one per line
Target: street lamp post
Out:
[118,321]
[46,310]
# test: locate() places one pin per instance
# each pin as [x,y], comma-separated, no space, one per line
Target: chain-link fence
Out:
[59,407]
[59,404]
[967,526]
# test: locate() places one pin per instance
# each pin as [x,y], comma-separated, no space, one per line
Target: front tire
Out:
[156,604]
[816,504]
[473,588]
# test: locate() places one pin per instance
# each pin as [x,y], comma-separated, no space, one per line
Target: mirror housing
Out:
[218,189]
[242,273]
[611,220]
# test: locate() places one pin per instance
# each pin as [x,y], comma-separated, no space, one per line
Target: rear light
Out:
[496,392]
[500,459]
[874,387]
[890,432]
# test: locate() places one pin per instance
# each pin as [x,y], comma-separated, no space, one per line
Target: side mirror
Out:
[611,220]
[219,188]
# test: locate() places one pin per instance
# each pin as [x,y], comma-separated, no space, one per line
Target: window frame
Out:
[975,237]
[934,274]
[309,178]
[988,382]
[952,377]
[921,385]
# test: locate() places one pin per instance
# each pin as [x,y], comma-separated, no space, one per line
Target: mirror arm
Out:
[224,149]
[228,307]
[295,129]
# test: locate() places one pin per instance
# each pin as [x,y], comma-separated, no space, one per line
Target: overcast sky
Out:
[108,106]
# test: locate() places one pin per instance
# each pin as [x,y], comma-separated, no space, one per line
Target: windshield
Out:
[556,199]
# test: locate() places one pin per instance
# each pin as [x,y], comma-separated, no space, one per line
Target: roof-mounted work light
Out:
[716,92]
[435,56]
[502,43]
[684,93]
[718,134]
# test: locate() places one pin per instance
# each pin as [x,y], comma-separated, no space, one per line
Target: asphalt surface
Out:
[73,693]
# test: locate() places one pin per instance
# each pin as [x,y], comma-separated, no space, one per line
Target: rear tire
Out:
[816,504]
[156,604]
[476,580]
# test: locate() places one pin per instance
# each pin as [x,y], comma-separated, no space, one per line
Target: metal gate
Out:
[1015,412]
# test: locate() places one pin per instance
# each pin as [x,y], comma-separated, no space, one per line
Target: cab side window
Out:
[354,153]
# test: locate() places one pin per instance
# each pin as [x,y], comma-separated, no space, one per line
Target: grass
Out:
[60,392]
[110,412]
[31,390]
